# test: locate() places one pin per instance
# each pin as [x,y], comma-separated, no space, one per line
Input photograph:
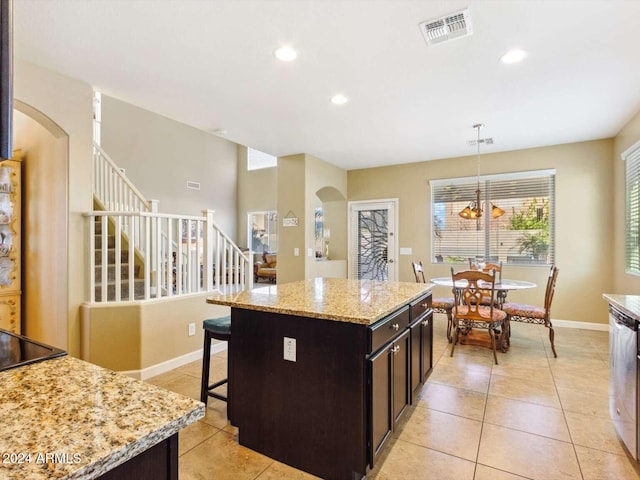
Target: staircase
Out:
[140,254]
[111,268]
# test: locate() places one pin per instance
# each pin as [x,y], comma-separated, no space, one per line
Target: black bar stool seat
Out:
[220,329]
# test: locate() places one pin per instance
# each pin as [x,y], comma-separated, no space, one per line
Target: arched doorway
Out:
[45,225]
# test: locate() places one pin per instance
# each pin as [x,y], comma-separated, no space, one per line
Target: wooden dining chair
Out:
[488,268]
[519,312]
[438,304]
[468,312]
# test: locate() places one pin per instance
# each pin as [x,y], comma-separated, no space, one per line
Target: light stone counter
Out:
[92,418]
[629,304]
[343,300]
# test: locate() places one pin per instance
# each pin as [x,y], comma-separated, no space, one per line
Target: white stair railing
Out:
[178,255]
[112,188]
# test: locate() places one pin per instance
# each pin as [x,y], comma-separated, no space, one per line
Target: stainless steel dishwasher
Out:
[624,358]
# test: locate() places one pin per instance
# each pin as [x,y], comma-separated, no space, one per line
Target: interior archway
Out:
[45,225]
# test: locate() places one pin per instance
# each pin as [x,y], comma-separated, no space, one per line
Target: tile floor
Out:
[531,417]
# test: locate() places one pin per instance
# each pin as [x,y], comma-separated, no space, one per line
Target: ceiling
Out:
[210,64]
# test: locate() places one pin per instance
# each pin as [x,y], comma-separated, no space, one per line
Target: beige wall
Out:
[291,202]
[133,337]
[44,219]
[68,103]
[257,192]
[160,155]
[584,179]
[331,182]
[624,283]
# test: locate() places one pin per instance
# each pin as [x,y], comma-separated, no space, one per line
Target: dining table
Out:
[501,286]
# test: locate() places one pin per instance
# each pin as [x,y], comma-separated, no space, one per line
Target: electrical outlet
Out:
[296,252]
[192,329]
[290,349]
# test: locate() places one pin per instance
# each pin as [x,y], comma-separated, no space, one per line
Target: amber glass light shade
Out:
[496,211]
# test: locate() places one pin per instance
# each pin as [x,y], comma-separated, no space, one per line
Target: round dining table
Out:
[502,287]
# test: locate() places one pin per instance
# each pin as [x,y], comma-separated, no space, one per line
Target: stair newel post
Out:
[179,253]
[217,259]
[104,259]
[208,259]
[248,274]
[118,260]
[92,258]
[147,257]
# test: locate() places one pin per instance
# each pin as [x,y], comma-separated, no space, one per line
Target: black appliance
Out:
[16,350]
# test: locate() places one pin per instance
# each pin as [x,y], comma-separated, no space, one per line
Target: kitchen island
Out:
[322,370]
[64,418]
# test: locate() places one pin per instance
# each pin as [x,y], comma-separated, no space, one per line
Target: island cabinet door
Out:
[388,391]
[426,346]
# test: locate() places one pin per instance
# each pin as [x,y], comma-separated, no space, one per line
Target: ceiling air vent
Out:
[446,28]
[483,141]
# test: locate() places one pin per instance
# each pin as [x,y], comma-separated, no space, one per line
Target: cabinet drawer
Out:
[387,328]
[420,306]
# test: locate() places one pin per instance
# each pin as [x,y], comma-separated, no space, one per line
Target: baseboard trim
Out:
[164,367]
[602,327]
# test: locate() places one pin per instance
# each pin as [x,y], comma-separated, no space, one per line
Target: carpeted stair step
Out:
[111,272]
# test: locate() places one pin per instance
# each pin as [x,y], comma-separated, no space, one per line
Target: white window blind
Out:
[257,159]
[524,234]
[632,233]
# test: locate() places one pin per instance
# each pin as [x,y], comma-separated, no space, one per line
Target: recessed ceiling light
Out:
[286,54]
[339,99]
[513,56]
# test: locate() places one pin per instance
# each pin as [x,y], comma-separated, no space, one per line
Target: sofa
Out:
[266,268]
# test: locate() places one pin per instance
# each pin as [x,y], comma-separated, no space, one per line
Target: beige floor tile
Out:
[443,432]
[578,381]
[164,378]
[280,471]
[468,360]
[467,379]
[518,357]
[408,461]
[185,385]
[598,465]
[193,435]
[216,413]
[221,457]
[528,455]
[525,372]
[594,432]
[217,369]
[457,401]
[487,473]
[524,390]
[587,403]
[527,417]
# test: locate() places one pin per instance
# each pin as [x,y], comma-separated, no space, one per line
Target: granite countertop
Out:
[343,300]
[93,419]
[629,304]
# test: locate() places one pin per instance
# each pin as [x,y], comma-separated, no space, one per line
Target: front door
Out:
[372,245]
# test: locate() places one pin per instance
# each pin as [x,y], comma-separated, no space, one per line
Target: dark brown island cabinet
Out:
[332,406]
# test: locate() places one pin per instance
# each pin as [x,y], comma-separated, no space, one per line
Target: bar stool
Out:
[220,329]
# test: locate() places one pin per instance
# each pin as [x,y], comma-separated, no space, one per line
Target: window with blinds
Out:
[632,195]
[523,234]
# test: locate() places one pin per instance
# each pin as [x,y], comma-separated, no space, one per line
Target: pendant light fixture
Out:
[473,211]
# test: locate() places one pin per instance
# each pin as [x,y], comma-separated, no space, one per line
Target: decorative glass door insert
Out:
[372,246]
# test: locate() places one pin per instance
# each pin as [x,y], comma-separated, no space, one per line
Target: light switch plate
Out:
[192,329]
[290,349]
[406,251]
